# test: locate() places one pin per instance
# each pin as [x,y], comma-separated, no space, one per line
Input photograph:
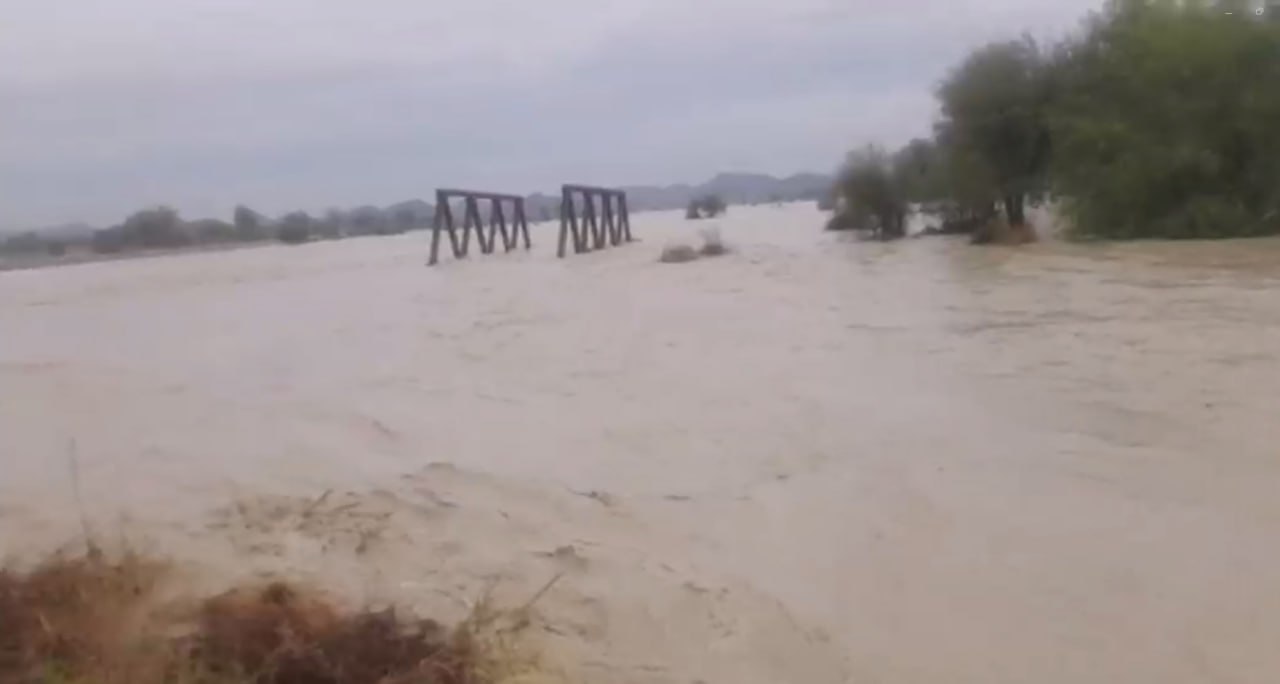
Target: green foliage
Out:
[1168,123]
[921,171]
[871,195]
[994,126]
[1160,119]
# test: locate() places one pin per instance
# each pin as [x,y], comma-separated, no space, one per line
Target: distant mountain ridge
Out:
[734,188]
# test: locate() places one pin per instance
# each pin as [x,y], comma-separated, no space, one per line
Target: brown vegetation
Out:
[90,619]
[998,231]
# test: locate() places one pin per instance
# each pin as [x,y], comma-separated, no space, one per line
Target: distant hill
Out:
[734,188]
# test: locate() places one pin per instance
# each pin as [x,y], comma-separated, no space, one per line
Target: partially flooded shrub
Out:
[91,620]
[712,243]
[678,254]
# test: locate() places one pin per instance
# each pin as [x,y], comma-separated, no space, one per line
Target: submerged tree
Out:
[920,168]
[995,128]
[871,197]
[707,206]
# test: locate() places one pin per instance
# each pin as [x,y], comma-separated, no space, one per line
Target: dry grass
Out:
[92,619]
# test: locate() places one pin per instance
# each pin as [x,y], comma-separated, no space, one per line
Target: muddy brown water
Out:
[810,460]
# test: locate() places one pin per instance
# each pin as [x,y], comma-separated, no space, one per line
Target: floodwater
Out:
[812,460]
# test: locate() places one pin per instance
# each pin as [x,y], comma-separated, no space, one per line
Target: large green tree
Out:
[920,168]
[994,127]
[1167,123]
[871,195]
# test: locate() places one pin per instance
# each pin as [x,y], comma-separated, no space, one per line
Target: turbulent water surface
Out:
[812,460]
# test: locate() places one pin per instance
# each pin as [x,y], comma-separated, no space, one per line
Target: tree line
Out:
[1157,119]
[163,228]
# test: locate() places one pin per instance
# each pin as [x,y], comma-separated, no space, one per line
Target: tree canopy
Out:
[994,120]
[872,190]
[1167,123]
[1160,118]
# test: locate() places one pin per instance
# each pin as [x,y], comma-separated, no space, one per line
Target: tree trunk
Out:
[1014,207]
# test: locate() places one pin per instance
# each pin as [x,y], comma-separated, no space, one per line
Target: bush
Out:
[872,198]
[158,227]
[678,254]
[847,220]
[707,206]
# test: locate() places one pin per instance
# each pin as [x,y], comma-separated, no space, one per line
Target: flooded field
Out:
[812,460]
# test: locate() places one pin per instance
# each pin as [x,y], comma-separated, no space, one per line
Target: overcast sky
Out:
[111,105]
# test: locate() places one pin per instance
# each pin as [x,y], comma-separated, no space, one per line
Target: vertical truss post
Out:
[473,219]
[610,226]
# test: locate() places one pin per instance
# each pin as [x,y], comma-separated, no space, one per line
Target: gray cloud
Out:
[306,104]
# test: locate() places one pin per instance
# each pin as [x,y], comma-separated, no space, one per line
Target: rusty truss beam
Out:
[472,218]
[610,225]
